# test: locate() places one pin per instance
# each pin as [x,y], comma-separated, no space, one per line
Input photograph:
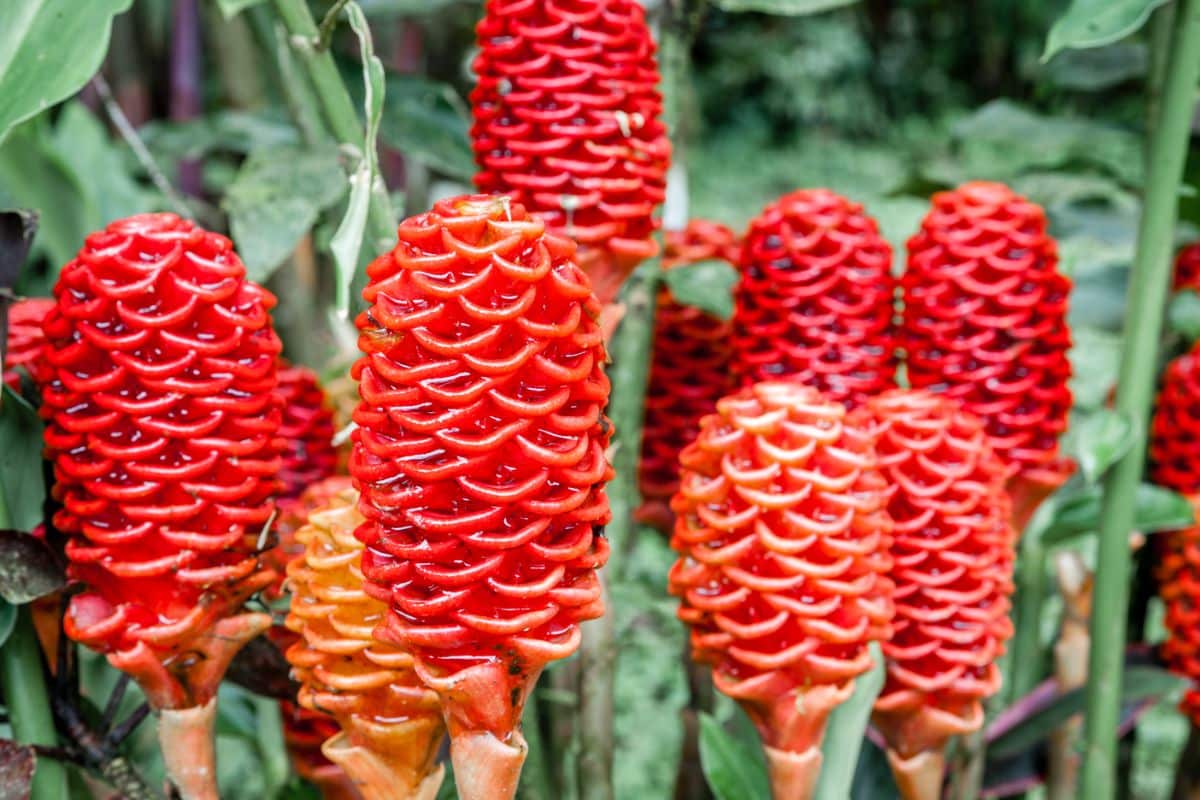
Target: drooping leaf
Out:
[1097,439]
[1095,23]
[732,771]
[845,732]
[231,8]
[275,199]
[8,620]
[17,763]
[427,121]
[789,8]
[1183,315]
[21,461]
[1075,510]
[706,285]
[347,240]
[28,570]
[48,50]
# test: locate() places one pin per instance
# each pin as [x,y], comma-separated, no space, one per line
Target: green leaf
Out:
[21,462]
[1099,68]
[1183,314]
[730,767]
[1095,23]
[706,285]
[28,569]
[48,50]
[1075,510]
[231,8]
[275,199]
[1097,439]
[846,731]
[1138,683]
[8,620]
[1095,360]
[226,131]
[404,8]
[788,8]
[427,121]
[347,240]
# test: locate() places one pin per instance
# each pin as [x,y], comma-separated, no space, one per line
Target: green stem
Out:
[24,685]
[1026,660]
[1147,296]
[1161,25]
[597,669]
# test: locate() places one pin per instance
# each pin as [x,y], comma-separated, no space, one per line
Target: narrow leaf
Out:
[706,285]
[729,766]
[1095,23]
[787,8]
[21,461]
[1183,315]
[8,620]
[1097,440]
[347,241]
[846,731]
[28,570]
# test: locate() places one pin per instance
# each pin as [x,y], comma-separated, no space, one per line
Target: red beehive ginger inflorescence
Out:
[985,322]
[1187,268]
[816,300]
[162,420]
[388,725]
[480,454]
[307,431]
[689,373]
[1175,459]
[783,539]
[25,338]
[953,553]
[566,121]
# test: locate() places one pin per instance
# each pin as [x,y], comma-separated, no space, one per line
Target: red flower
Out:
[566,120]
[1187,268]
[985,318]
[25,338]
[690,370]
[953,553]
[816,299]
[783,536]
[307,430]
[480,457]
[162,421]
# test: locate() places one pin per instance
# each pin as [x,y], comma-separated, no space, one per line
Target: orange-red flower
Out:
[480,454]
[816,299]
[307,431]
[1187,268]
[783,539]
[690,370]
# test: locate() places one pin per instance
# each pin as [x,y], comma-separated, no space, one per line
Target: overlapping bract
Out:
[390,723]
[816,298]
[784,538]
[162,423]
[25,338]
[953,554]
[1175,459]
[1187,268]
[480,453]
[690,370]
[985,318]
[566,120]
[307,431]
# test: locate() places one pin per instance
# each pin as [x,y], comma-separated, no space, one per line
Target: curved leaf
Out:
[846,731]
[48,50]
[731,769]
[21,462]
[706,285]
[1097,439]
[1095,23]
[787,8]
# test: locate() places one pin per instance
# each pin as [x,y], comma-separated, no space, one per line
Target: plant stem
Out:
[1161,25]
[1031,579]
[185,83]
[23,681]
[1147,296]
[597,669]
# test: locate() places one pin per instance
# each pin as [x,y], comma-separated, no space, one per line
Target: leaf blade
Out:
[727,765]
[846,731]
[1095,23]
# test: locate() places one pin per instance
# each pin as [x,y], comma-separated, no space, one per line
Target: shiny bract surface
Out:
[25,338]
[1187,268]
[307,431]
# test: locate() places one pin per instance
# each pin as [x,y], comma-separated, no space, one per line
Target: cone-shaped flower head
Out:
[480,457]
[1175,456]
[816,299]
[1187,268]
[566,120]
[25,338]
[690,370]
[953,554]
[162,421]
[391,726]
[985,319]
[784,539]
[307,431]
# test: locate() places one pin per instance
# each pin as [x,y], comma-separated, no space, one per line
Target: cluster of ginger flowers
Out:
[816,507]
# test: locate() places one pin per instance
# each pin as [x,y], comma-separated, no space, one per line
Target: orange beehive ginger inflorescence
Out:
[390,723]
[25,338]
[566,121]
[689,372]
[162,420]
[816,300]
[783,538]
[985,322]
[1175,460]
[480,454]
[953,553]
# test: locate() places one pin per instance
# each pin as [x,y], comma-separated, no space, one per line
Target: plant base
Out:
[186,738]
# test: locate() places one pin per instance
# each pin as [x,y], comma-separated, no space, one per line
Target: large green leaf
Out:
[21,461]
[1075,510]
[275,200]
[1095,23]
[846,731]
[730,767]
[706,285]
[790,8]
[48,50]
[427,121]
[1097,439]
